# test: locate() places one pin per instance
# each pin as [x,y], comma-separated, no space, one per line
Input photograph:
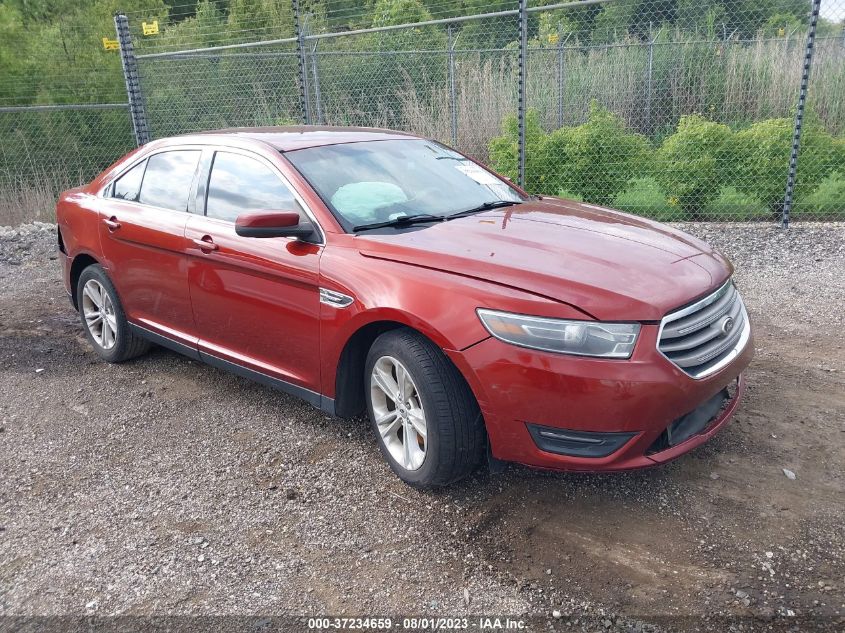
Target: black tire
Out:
[456,437]
[127,344]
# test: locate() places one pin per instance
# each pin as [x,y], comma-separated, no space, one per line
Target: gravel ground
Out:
[162,486]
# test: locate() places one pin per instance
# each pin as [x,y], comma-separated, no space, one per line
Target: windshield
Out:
[379,181]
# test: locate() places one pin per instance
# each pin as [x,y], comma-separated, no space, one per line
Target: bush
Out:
[643,196]
[595,159]
[732,205]
[828,200]
[703,170]
[762,158]
[569,195]
[592,161]
[690,162]
[504,152]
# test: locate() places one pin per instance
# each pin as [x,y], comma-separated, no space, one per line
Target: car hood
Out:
[609,264]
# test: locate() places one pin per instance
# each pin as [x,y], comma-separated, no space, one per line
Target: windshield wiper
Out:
[495,204]
[402,220]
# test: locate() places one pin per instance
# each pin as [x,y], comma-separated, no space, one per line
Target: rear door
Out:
[255,300]
[142,234]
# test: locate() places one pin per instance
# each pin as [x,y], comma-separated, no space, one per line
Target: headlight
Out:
[582,338]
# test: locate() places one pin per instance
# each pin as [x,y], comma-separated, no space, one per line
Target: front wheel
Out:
[427,421]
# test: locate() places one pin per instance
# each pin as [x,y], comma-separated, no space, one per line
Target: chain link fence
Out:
[671,109]
[47,149]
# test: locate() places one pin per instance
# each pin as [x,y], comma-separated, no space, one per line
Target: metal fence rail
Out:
[713,110]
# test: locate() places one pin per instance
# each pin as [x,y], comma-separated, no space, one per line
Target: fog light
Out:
[577,443]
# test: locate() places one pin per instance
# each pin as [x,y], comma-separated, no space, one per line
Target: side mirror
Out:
[272,224]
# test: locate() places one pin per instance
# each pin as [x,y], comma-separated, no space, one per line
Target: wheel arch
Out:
[349,375]
[80,263]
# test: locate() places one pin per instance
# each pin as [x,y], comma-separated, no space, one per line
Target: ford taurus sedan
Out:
[370,270]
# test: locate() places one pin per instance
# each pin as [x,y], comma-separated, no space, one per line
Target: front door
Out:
[142,235]
[255,300]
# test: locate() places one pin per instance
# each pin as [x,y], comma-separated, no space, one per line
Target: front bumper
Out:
[641,396]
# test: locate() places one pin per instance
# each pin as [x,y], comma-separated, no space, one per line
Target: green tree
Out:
[13,67]
[258,19]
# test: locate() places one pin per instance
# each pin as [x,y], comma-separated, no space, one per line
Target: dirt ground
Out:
[162,486]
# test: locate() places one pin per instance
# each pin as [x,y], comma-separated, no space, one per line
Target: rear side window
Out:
[239,183]
[167,180]
[128,186]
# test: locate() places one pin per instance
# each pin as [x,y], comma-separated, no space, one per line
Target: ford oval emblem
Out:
[727,325]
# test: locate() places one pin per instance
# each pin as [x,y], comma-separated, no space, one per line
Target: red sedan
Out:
[373,270]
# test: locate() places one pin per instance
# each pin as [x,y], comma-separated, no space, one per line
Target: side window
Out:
[128,186]
[239,183]
[167,181]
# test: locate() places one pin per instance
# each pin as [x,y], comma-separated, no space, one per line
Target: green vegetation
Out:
[644,196]
[691,162]
[593,161]
[829,195]
[732,205]
[703,170]
[759,152]
[710,139]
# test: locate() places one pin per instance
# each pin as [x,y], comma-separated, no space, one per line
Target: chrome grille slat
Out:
[706,316]
[705,353]
[683,344]
[698,338]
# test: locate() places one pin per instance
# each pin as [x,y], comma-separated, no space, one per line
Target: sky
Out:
[833,10]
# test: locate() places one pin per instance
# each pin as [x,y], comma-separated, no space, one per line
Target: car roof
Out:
[290,138]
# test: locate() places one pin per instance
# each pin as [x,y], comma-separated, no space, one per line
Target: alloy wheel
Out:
[398,412]
[98,310]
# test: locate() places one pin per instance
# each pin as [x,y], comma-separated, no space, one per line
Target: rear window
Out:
[167,180]
[128,186]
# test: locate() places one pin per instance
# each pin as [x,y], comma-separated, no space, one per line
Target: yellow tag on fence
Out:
[110,45]
[553,38]
[150,28]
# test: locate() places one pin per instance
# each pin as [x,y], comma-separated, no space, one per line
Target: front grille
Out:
[705,336]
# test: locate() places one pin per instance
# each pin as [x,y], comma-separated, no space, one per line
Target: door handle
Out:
[112,223]
[205,244]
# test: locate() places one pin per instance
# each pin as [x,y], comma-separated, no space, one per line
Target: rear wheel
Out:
[425,417]
[104,319]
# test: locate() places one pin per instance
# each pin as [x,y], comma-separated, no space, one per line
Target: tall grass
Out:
[733,82]
[30,200]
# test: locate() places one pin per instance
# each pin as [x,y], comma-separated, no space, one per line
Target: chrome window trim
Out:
[698,305]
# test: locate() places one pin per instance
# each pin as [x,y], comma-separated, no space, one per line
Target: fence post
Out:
[560,80]
[799,113]
[304,99]
[523,53]
[316,73]
[649,87]
[453,106]
[137,111]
